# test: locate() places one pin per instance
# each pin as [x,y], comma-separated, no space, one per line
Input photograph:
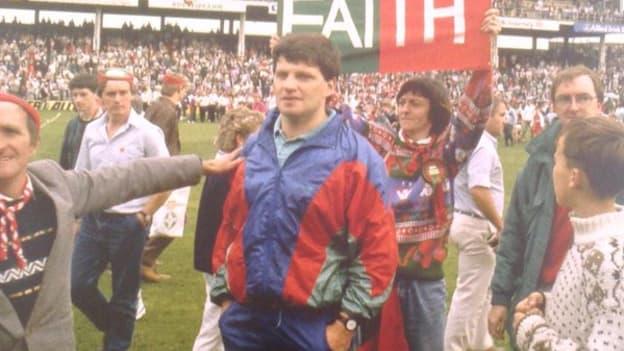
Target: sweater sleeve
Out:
[467,124]
[606,333]
[380,135]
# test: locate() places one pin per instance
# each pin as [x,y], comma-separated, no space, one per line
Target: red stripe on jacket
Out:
[365,216]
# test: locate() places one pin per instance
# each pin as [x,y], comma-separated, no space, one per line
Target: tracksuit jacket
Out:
[316,232]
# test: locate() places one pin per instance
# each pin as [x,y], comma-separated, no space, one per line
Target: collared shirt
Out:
[285,147]
[136,139]
[405,139]
[483,169]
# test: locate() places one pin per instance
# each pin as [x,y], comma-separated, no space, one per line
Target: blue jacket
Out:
[316,232]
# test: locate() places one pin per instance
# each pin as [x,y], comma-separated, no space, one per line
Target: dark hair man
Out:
[83,92]
[307,229]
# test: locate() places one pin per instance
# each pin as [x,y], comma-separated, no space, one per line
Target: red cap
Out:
[174,79]
[115,74]
[31,111]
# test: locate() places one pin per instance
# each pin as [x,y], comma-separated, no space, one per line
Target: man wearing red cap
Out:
[164,114]
[38,204]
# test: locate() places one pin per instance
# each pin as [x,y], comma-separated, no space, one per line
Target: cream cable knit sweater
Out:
[585,309]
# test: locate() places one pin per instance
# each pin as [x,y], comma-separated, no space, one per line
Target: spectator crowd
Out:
[37,63]
[599,11]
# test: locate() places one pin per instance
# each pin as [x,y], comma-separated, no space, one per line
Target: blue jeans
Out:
[249,328]
[117,239]
[423,304]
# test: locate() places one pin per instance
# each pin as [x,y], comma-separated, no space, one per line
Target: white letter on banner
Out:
[289,18]
[347,25]
[370,24]
[456,11]
[400,23]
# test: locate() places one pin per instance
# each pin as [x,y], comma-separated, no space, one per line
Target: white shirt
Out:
[138,138]
[483,169]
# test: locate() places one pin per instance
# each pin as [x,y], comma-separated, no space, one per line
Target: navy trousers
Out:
[246,327]
[117,239]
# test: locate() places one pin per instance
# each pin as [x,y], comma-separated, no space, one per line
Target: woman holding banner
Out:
[422,159]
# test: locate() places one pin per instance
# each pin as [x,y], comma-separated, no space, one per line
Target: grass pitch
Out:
[175,307]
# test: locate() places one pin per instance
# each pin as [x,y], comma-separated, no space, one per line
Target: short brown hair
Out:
[238,121]
[310,48]
[596,146]
[570,73]
[434,91]
[84,81]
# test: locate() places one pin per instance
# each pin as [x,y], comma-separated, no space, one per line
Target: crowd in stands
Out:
[597,11]
[37,62]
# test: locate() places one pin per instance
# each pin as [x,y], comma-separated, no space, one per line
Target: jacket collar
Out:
[326,137]
[542,148]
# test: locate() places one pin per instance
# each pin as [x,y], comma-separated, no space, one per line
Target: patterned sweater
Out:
[585,309]
[421,174]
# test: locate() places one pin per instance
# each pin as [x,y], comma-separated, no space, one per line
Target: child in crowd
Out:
[585,308]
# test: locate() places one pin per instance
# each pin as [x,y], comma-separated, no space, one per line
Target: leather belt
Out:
[471,214]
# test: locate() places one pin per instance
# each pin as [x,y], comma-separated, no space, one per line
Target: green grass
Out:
[174,307]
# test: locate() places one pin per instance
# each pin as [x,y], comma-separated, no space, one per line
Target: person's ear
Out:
[332,87]
[577,178]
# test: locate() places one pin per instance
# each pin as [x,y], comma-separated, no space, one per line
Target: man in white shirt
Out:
[117,234]
[479,197]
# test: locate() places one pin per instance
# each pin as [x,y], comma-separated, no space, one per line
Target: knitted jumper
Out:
[585,309]
[421,175]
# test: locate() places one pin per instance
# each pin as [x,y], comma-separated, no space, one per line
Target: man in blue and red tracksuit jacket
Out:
[306,250]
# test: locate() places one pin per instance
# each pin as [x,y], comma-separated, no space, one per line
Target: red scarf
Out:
[9,235]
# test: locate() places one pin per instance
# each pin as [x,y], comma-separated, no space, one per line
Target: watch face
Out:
[351,325]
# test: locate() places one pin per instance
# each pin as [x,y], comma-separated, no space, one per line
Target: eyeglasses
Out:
[566,100]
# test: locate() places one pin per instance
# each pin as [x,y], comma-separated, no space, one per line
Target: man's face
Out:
[496,122]
[300,89]
[413,114]
[16,145]
[117,98]
[86,101]
[576,98]
[562,176]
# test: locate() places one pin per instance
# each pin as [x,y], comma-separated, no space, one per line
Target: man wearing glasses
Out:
[537,232]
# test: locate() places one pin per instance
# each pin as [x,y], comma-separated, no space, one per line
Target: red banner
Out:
[433,35]
[396,35]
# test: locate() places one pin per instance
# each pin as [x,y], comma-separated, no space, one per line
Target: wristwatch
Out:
[349,322]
